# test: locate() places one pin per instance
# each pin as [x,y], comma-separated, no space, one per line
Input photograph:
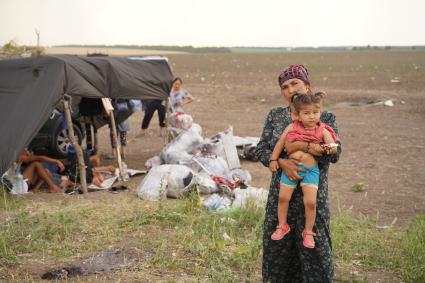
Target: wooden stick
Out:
[118,147]
[167,136]
[77,147]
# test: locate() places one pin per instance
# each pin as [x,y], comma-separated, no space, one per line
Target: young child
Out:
[307,128]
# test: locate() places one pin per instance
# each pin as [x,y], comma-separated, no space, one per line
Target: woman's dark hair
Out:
[177,79]
[300,99]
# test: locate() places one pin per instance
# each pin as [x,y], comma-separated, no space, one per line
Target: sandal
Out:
[307,243]
[281,231]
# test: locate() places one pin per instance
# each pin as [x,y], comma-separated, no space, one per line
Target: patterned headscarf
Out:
[294,72]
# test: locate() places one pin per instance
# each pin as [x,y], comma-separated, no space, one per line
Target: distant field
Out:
[109,51]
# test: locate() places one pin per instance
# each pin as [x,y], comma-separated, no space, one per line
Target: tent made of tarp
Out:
[30,88]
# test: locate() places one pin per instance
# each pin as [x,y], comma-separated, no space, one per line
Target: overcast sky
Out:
[214,22]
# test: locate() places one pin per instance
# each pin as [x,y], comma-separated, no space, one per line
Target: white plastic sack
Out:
[205,184]
[153,162]
[216,166]
[243,175]
[250,195]
[165,180]
[13,175]
[183,146]
[223,145]
[181,121]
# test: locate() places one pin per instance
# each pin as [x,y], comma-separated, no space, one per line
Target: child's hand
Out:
[273,166]
[330,148]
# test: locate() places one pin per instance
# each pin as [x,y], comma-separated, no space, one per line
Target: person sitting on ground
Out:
[99,170]
[35,173]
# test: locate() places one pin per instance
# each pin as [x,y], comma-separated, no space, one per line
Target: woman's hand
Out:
[273,166]
[291,169]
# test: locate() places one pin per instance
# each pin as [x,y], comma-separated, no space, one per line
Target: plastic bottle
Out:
[126,176]
[20,186]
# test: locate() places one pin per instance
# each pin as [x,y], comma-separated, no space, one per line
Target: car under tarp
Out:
[30,88]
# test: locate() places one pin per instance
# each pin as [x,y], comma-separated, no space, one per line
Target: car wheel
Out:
[61,141]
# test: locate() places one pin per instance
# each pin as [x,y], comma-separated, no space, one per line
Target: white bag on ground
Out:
[216,202]
[153,162]
[243,175]
[250,195]
[183,146]
[214,165]
[205,184]
[165,180]
[14,176]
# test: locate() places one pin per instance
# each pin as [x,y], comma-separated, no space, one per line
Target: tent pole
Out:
[77,147]
[167,136]
[117,147]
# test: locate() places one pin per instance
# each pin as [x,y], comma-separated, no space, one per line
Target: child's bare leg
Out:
[37,186]
[29,173]
[282,229]
[96,181]
[310,196]
[108,168]
[285,194]
[36,171]
[44,174]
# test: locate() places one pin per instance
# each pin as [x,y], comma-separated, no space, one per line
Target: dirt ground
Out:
[383,146]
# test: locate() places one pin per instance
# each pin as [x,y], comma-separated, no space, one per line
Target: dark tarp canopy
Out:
[30,88]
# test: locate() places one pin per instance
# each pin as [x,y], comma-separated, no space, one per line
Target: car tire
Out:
[61,141]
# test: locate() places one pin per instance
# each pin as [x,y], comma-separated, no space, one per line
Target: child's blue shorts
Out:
[309,178]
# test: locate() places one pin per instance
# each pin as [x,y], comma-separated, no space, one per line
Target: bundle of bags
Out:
[189,161]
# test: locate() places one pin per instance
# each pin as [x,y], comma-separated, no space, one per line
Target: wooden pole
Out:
[117,147]
[167,136]
[77,147]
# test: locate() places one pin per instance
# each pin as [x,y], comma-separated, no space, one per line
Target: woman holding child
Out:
[291,251]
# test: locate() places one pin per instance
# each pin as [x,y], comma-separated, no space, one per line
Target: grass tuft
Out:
[413,251]
[182,236]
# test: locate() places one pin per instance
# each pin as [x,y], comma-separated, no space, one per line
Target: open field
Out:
[109,51]
[383,149]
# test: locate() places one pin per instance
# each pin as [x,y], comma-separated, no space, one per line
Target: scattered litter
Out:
[246,146]
[62,273]
[14,181]
[227,219]
[153,162]
[227,237]
[389,103]
[250,196]
[166,180]
[216,202]
[387,226]
[395,81]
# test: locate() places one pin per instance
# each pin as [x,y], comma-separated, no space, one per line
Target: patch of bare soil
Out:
[100,263]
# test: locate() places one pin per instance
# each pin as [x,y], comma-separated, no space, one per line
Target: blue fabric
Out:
[53,168]
[311,177]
